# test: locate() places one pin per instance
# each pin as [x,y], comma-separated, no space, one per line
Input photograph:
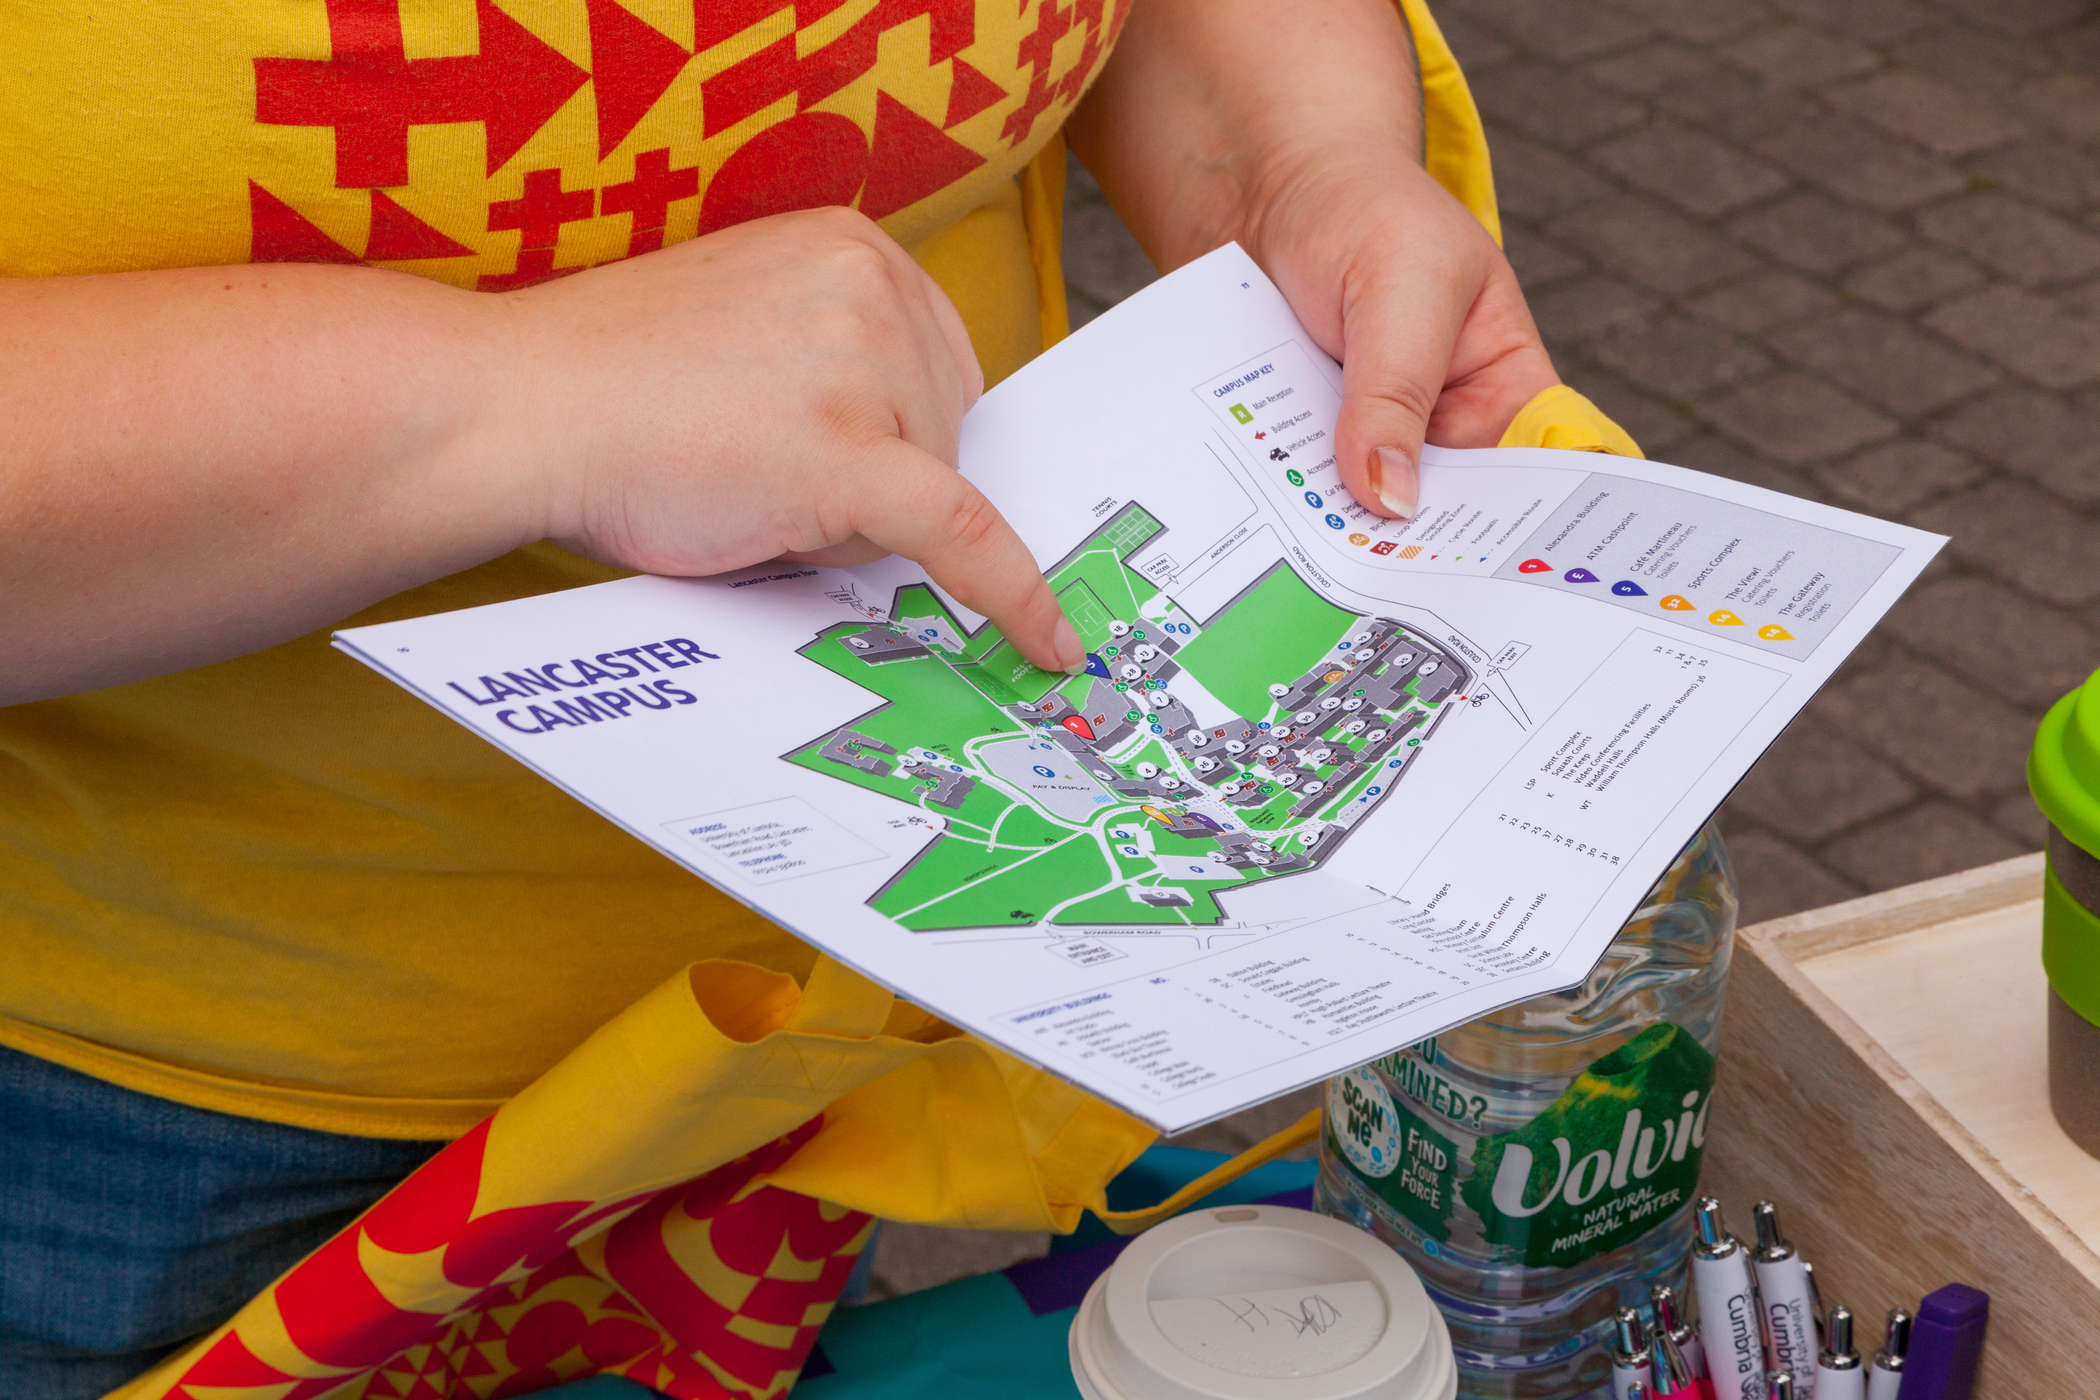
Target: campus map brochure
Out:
[1331,784]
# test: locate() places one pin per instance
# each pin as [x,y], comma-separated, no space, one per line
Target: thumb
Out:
[1396,355]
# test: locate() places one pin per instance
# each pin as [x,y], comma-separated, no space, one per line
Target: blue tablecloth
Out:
[1002,1334]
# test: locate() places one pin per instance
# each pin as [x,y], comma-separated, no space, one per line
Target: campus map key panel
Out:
[1311,800]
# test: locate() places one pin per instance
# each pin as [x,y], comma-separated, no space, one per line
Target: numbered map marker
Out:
[1773,632]
[1579,575]
[1627,588]
[1534,566]
[1721,617]
[1677,602]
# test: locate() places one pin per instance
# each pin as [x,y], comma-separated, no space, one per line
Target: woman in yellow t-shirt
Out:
[269,933]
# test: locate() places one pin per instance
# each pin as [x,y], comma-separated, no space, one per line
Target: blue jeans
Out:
[129,1224]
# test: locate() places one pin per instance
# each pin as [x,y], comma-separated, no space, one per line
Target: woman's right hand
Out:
[201,462]
[791,387]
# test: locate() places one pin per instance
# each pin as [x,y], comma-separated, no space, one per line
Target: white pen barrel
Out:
[1790,1316]
[1735,1354]
[1624,1378]
[1883,1383]
[1850,1383]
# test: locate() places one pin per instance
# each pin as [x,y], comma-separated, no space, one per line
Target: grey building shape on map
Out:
[950,787]
[835,748]
[879,643]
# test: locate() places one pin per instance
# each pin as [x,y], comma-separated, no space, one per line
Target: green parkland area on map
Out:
[1192,759]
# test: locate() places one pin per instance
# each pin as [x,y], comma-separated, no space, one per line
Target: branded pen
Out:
[1839,1374]
[1630,1365]
[1728,1311]
[1886,1377]
[1673,1379]
[1789,1308]
[1815,1298]
[1780,1386]
[1668,1319]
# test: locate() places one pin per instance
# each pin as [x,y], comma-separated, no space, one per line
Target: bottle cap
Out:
[1252,1302]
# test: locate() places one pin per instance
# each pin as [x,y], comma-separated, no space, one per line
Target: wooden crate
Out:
[1884,1079]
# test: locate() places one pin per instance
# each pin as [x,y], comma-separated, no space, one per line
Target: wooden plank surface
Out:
[1879,1182]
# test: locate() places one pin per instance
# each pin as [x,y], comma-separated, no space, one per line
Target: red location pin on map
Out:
[1078,725]
[1534,566]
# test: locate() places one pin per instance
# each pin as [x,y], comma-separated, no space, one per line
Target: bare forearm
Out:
[198,463]
[1210,108]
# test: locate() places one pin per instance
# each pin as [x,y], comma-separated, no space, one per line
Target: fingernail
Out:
[1397,481]
[1071,652]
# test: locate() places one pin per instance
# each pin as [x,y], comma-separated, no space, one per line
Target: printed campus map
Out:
[1329,784]
[1194,758]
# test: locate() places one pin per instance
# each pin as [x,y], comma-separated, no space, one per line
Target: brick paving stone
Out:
[2052,173]
[1655,426]
[2020,819]
[2022,536]
[1815,233]
[1661,250]
[1860,165]
[1731,104]
[2037,435]
[1869,21]
[1937,115]
[1653,70]
[2024,332]
[1536,182]
[1774,879]
[1699,21]
[1913,279]
[1953,738]
[1678,359]
[1971,58]
[1817,784]
[1796,418]
[1708,453]
[1883,360]
[2068,102]
[1762,301]
[1538,260]
[1896,477]
[1567,29]
[1924,843]
[1689,169]
[1555,105]
[2023,18]
[1793,55]
[1476,47]
[1994,638]
[2027,244]
[1591,306]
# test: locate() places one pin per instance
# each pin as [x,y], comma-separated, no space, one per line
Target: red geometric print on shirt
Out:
[912,159]
[649,196]
[969,93]
[538,215]
[806,162]
[278,233]
[371,93]
[1051,25]
[399,236]
[632,64]
[757,82]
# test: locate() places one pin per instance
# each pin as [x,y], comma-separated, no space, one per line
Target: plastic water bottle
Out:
[1537,1167]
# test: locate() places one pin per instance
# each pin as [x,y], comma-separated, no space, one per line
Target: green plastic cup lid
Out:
[2063,768]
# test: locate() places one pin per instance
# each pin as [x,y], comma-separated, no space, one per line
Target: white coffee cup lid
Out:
[1260,1303]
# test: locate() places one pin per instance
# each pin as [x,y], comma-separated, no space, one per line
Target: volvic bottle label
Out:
[1613,1156]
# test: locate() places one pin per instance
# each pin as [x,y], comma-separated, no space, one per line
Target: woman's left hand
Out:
[1297,132]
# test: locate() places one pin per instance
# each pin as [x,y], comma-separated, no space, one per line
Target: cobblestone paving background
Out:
[1846,249]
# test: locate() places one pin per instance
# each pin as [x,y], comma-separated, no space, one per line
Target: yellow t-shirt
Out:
[276,886]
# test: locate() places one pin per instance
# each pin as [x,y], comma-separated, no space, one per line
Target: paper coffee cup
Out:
[1260,1303]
